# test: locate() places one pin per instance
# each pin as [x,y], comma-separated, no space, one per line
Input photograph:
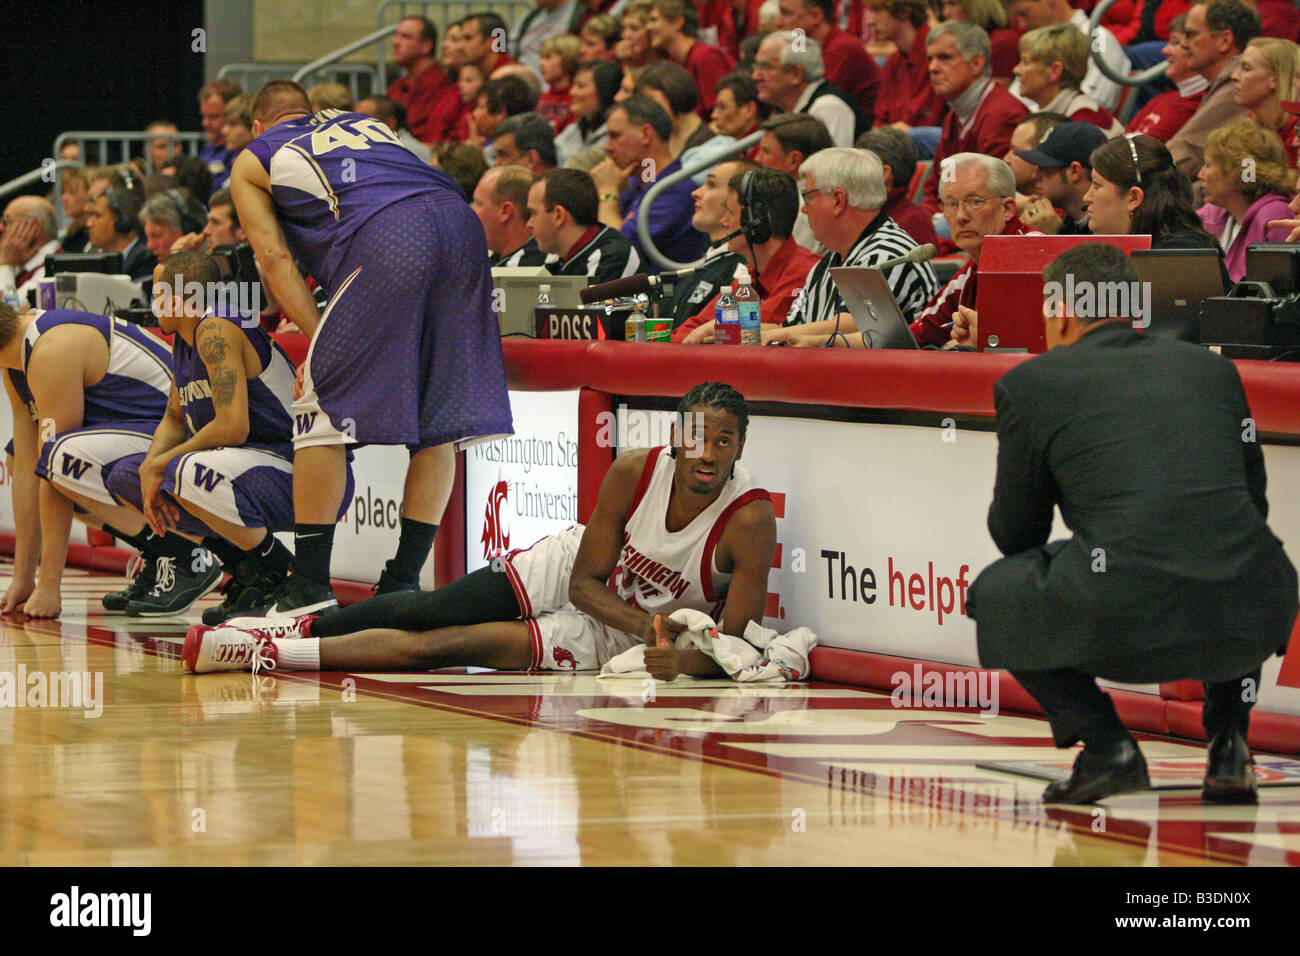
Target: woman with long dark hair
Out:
[591,95]
[1137,189]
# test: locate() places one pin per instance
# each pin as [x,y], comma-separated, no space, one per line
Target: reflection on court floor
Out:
[488,767]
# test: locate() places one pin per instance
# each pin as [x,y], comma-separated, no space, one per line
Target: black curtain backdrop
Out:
[94,65]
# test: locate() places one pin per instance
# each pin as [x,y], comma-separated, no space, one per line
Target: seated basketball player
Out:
[67,370]
[685,527]
[219,464]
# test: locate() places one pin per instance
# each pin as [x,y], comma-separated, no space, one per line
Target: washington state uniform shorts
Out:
[563,638]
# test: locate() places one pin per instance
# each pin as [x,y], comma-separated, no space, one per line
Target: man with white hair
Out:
[789,74]
[979,199]
[981,114]
[844,195]
[28,234]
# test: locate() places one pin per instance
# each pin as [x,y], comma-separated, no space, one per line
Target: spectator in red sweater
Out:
[1165,114]
[450,109]
[483,40]
[422,79]
[673,25]
[845,61]
[559,63]
[1052,64]
[906,97]
[779,265]
[981,114]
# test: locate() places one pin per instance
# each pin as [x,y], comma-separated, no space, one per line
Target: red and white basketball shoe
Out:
[275,627]
[208,649]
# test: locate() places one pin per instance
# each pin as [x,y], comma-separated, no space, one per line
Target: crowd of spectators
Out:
[885,124]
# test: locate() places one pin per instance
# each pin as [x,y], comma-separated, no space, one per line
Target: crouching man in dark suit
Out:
[1147,446]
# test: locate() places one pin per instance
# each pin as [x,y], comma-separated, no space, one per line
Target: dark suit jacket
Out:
[139,262]
[1172,572]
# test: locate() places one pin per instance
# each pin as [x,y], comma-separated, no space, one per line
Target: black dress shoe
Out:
[1102,773]
[1230,771]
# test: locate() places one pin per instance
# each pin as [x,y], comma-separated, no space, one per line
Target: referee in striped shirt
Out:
[843,195]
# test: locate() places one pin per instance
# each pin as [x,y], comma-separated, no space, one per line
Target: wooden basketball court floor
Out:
[506,768]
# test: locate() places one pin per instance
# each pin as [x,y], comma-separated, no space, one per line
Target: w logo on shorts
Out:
[74,466]
[206,478]
[305,422]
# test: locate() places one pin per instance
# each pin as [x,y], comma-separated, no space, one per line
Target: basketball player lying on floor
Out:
[679,528]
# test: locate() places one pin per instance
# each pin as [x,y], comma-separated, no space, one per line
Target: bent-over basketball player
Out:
[679,528]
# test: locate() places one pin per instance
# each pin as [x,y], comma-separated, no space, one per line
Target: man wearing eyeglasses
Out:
[981,114]
[844,196]
[979,199]
[1216,33]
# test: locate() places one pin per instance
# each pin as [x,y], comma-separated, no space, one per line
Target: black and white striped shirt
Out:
[526,255]
[913,283]
[602,255]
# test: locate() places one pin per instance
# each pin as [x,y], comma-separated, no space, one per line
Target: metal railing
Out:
[1136,79]
[103,141]
[360,78]
[706,161]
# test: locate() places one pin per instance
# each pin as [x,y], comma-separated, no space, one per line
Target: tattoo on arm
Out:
[213,350]
[222,381]
[211,344]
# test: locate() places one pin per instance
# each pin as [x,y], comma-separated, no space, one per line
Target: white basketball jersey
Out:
[661,571]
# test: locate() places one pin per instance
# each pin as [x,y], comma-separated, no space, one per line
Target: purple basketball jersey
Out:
[330,172]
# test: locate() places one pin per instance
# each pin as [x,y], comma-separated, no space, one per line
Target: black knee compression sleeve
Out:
[478,598]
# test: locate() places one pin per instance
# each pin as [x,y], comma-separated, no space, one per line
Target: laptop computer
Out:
[1180,280]
[874,308]
[515,296]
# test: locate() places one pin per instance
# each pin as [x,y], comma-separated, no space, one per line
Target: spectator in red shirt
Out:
[673,25]
[898,154]
[845,61]
[448,113]
[906,97]
[1263,79]
[1165,114]
[483,41]
[422,79]
[780,264]
[981,114]
[559,63]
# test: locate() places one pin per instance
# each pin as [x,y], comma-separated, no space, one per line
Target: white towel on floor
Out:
[762,654]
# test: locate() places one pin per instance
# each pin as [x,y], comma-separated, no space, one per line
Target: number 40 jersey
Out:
[332,171]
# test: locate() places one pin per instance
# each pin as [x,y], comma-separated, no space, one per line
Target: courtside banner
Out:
[524,487]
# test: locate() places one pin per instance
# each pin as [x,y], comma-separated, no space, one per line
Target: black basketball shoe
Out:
[177,585]
[138,588]
[300,595]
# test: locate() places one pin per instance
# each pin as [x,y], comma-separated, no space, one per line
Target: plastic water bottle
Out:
[10,298]
[751,322]
[727,313]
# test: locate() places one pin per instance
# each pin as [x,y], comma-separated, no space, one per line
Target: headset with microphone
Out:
[193,217]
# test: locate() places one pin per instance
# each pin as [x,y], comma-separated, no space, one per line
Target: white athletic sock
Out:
[298,654]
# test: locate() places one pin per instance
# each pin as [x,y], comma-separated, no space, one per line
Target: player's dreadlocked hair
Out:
[717,395]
